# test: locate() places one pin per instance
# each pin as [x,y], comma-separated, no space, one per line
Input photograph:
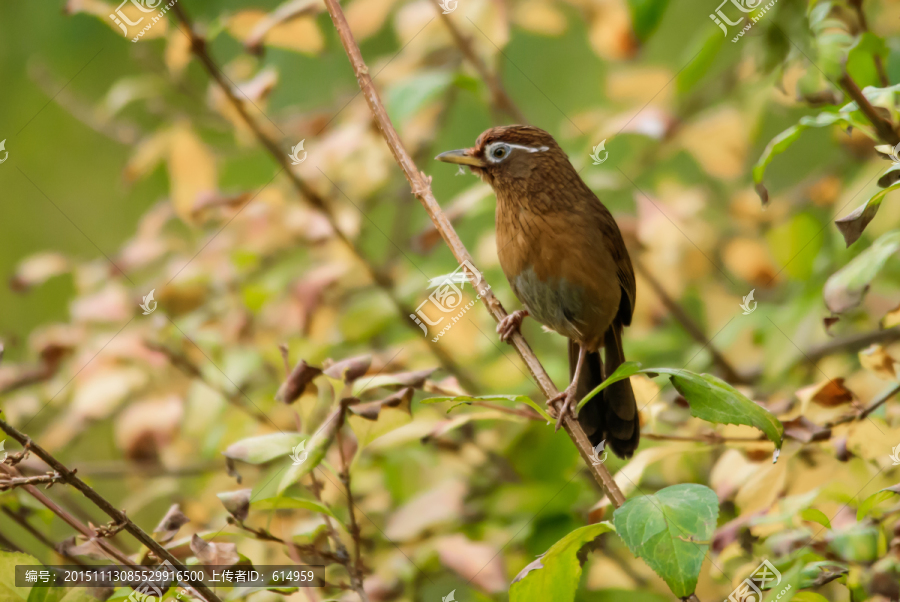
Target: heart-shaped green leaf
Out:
[555,574]
[671,530]
[710,399]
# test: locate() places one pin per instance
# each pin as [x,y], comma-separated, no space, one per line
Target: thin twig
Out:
[876,403]
[8,483]
[498,93]
[22,521]
[305,549]
[864,26]
[117,515]
[421,187]
[357,574]
[503,101]
[379,276]
[884,127]
[851,343]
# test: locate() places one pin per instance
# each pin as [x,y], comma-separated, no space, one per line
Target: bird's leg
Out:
[567,395]
[511,324]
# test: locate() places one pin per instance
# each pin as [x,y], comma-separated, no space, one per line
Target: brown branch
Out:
[356,576]
[711,438]
[8,483]
[421,187]
[876,403]
[379,276]
[117,515]
[73,522]
[341,549]
[504,102]
[883,127]
[22,521]
[498,93]
[864,26]
[851,343]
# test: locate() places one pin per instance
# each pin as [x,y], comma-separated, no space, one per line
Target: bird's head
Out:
[505,154]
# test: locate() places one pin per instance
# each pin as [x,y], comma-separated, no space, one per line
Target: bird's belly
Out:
[559,305]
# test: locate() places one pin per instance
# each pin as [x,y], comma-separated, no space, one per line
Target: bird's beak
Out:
[462,156]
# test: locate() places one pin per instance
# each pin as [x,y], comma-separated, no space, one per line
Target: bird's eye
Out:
[499,152]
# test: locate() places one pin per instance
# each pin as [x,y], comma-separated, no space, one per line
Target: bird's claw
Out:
[568,399]
[511,324]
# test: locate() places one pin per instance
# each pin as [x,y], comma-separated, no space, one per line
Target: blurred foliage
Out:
[130,172]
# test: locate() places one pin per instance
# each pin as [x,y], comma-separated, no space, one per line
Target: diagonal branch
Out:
[421,187]
[503,101]
[117,515]
[883,126]
[381,278]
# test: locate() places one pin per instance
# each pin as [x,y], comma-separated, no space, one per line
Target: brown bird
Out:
[565,260]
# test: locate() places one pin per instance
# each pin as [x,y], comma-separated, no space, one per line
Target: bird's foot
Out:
[569,401]
[511,324]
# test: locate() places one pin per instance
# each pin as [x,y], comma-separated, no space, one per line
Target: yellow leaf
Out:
[192,170]
[366,17]
[718,142]
[540,17]
[875,359]
[611,35]
[178,51]
[150,151]
[300,34]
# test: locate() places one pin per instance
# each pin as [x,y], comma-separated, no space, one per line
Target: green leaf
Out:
[846,288]
[853,224]
[785,139]
[264,448]
[710,399]
[646,16]
[816,516]
[795,244]
[8,589]
[704,57]
[861,59]
[868,504]
[315,450]
[493,398]
[859,543]
[671,530]
[556,573]
[808,597]
[290,502]
[821,572]
[404,99]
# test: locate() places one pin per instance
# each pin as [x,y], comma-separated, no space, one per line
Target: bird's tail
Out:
[612,415]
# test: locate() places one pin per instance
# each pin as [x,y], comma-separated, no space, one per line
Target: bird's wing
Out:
[624,270]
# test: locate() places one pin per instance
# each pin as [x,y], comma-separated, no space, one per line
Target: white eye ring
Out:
[497,152]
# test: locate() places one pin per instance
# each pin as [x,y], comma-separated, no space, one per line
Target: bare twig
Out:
[304,549]
[22,521]
[381,278]
[503,101]
[876,403]
[498,93]
[356,576]
[421,187]
[117,515]
[883,126]
[851,343]
[8,483]
[864,26]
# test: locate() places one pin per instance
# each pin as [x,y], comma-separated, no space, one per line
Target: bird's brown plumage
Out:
[565,259]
